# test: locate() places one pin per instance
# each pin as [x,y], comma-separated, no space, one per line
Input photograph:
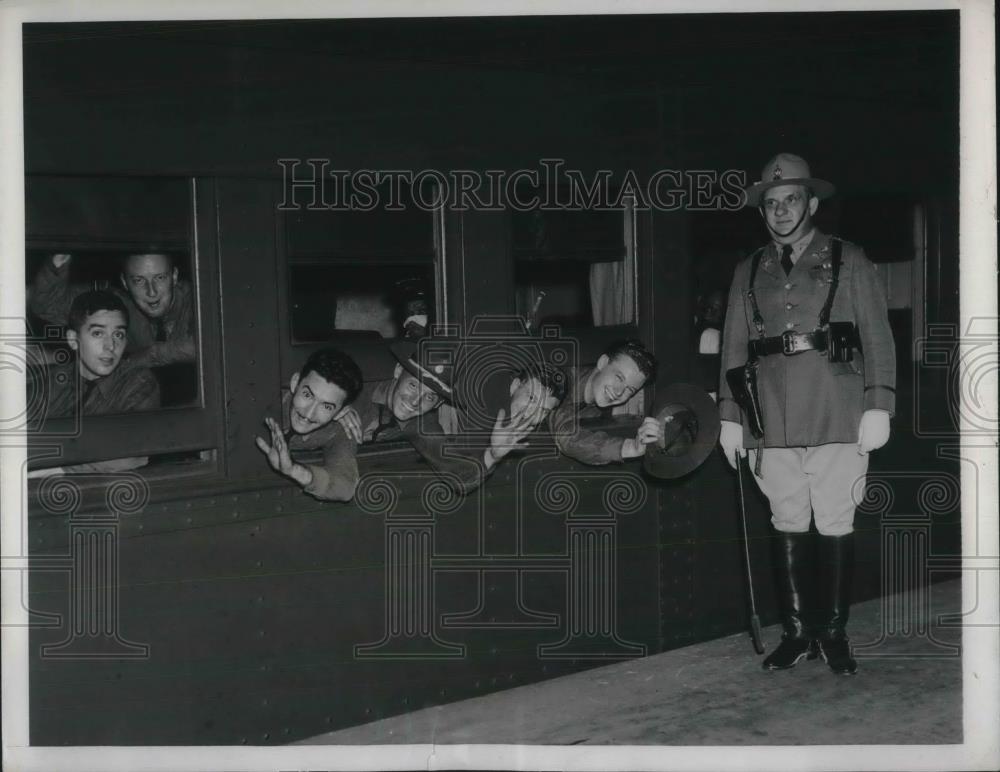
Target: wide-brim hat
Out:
[431,361]
[690,420]
[787,169]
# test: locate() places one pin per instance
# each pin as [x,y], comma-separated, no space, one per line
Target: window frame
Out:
[84,439]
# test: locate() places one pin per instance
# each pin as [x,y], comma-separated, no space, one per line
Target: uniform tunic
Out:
[807,400]
[129,388]
[586,445]
[53,295]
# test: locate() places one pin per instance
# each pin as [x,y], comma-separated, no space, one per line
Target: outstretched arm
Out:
[52,295]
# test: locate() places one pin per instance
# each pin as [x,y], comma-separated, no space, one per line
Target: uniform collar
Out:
[808,248]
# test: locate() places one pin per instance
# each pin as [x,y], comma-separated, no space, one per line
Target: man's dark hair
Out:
[90,302]
[634,349]
[338,368]
[550,376]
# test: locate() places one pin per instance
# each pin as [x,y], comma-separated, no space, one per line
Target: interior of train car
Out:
[234,607]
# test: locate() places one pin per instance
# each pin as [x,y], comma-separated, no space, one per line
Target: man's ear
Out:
[602,362]
[293,384]
[124,282]
[398,371]
[813,205]
[175,274]
[71,340]
[513,385]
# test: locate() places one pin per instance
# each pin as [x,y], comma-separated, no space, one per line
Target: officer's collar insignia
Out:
[777,173]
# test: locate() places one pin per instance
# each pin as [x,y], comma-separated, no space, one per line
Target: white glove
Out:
[873,431]
[731,440]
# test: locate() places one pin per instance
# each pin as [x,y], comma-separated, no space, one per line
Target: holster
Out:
[841,339]
[743,384]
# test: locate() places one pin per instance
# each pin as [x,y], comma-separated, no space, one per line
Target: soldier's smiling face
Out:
[409,397]
[315,402]
[788,211]
[530,401]
[150,280]
[616,380]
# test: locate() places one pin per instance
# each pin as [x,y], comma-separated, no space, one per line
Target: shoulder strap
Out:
[758,320]
[835,261]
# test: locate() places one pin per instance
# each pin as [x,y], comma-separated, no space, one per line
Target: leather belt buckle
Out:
[789,343]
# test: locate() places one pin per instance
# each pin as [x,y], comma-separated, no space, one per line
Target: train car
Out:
[193,596]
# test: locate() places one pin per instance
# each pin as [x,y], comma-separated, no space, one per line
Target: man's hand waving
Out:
[278,456]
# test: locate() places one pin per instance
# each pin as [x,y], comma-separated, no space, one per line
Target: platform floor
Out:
[715,693]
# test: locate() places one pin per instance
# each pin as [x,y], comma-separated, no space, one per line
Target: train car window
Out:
[372,269]
[574,268]
[112,322]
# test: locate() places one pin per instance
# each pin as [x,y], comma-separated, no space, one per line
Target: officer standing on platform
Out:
[811,311]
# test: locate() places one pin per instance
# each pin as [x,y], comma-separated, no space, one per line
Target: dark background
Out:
[250,593]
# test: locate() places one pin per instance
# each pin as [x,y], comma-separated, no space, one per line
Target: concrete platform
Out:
[908,691]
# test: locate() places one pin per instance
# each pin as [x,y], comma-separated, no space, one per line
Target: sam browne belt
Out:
[838,338]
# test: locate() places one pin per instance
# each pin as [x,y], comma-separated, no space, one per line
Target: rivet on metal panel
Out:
[267,735]
[279,508]
[260,564]
[264,701]
[189,520]
[260,633]
[235,513]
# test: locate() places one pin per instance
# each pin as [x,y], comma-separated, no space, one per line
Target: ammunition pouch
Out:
[743,384]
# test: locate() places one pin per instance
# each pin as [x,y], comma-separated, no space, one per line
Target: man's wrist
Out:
[301,474]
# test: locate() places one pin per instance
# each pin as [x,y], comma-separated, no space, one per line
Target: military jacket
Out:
[590,446]
[806,399]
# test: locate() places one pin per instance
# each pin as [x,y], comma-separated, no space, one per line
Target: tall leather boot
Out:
[836,557]
[795,563]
